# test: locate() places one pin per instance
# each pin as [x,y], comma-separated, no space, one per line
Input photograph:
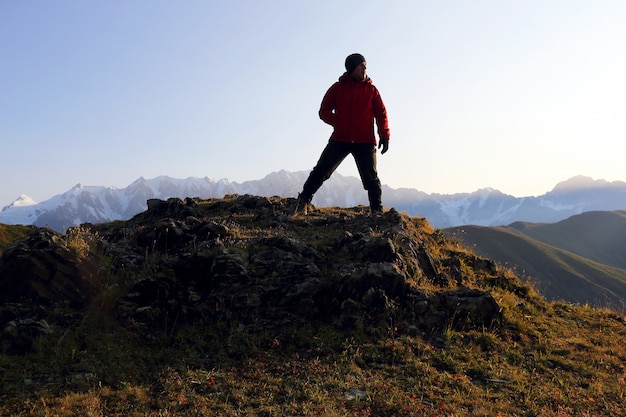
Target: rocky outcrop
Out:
[248,260]
[41,282]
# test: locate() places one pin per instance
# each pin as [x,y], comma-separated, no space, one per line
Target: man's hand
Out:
[384,143]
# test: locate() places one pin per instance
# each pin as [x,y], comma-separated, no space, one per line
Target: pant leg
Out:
[365,157]
[332,155]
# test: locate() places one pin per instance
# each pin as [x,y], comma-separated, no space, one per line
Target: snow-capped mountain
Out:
[488,207]
[21,201]
[485,207]
[12,214]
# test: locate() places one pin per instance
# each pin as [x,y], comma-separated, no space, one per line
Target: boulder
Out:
[42,269]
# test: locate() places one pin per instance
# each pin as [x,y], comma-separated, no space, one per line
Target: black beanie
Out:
[353,61]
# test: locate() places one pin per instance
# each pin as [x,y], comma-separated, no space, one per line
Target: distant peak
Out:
[139,180]
[579,182]
[487,190]
[22,201]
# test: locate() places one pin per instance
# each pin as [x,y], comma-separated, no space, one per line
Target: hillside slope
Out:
[234,307]
[11,233]
[555,273]
[597,235]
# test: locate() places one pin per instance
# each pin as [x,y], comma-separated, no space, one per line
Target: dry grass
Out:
[80,239]
[543,359]
[11,233]
[566,361]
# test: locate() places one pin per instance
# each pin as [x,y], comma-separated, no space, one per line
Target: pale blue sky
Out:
[513,95]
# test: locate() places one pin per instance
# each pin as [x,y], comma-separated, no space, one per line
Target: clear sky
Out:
[513,95]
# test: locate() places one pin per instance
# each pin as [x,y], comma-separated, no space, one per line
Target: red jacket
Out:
[351,107]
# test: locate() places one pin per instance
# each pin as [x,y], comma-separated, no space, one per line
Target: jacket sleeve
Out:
[380,114]
[327,109]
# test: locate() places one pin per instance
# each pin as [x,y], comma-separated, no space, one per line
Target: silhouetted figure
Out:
[350,106]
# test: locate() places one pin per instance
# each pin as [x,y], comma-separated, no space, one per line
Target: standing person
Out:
[350,106]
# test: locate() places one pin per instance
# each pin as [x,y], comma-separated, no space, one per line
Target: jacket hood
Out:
[346,78]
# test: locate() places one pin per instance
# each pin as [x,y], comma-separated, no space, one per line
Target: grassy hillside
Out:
[10,233]
[363,345]
[555,273]
[597,235]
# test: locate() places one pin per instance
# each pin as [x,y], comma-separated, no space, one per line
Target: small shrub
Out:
[79,240]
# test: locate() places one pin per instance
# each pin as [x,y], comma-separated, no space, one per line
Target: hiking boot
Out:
[376,213]
[301,207]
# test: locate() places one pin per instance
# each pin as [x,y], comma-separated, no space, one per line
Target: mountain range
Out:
[484,207]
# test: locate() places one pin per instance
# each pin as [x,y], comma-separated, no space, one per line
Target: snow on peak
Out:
[486,206]
[21,201]
[20,211]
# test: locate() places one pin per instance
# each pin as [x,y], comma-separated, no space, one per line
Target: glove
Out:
[384,143]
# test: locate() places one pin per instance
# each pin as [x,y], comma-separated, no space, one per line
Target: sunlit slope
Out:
[555,272]
[597,235]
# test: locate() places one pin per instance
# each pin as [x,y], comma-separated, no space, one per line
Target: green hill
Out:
[234,307]
[555,273]
[597,235]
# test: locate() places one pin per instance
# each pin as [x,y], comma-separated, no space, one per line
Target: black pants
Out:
[335,152]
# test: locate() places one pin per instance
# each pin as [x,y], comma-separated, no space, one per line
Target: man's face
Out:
[359,72]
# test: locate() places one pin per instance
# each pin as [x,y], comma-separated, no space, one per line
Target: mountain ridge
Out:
[597,235]
[486,206]
[579,259]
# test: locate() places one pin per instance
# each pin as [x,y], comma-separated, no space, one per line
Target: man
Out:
[350,106]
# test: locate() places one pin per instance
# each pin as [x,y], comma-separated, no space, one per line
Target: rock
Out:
[467,307]
[385,276]
[165,235]
[429,266]
[42,269]
[246,260]
[212,230]
[355,394]
[18,336]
